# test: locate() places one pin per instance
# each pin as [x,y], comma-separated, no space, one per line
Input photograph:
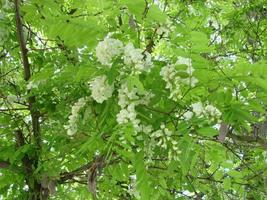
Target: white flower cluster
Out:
[107,49]
[34,84]
[188,115]
[163,135]
[170,74]
[12,98]
[162,30]
[163,138]
[200,111]
[212,111]
[100,88]
[127,101]
[72,125]
[132,55]
[132,187]
[197,108]
[128,114]
[135,57]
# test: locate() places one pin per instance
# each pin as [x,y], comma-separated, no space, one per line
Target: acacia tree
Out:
[122,99]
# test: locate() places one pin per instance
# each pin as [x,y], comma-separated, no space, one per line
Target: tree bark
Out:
[29,163]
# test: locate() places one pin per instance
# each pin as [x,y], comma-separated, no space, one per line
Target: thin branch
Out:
[5,74]
[27,75]
[4,164]
[10,109]
[22,44]
[249,139]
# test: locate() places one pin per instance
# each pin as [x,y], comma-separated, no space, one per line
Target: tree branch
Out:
[7,165]
[27,75]
[250,139]
[26,161]
[22,44]
[30,164]
[4,164]
[69,175]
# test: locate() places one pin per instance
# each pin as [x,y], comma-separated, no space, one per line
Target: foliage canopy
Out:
[122,99]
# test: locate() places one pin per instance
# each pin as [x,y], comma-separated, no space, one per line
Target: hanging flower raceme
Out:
[176,75]
[107,49]
[211,111]
[199,110]
[163,139]
[100,88]
[136,58]
[72,123]
[168,74]
[128,100]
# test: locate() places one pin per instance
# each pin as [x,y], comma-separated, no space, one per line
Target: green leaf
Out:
[260,82]
[227,183]
[181,67]
[142,177]
[188,154]
[135,7]
[155,14]
[200,42]
[208,131]
[47,71]
[235,174]
[85,73]
[75,32]
[183,74]
[112,74]
[133,81]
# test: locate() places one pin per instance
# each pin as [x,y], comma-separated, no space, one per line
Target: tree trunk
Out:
[30,163]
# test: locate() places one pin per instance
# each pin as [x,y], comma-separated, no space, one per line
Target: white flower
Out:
[170,75]
[183,61]
[212,111]
[100,88]
[168,72]
[216,38]
[192,81]
[26,188]
[192,10]
[163,135]
[131,112]
[12,98]
[129,115]
[128,99]
[190,70]
[197,108]
[72,126]
[132,55]
[126,96]
[162,30]
[122,116]
[135,57]
[147,129]
[147,61]
[108,49]
[32,85]
[207,111]
[188,115]
[157,134]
